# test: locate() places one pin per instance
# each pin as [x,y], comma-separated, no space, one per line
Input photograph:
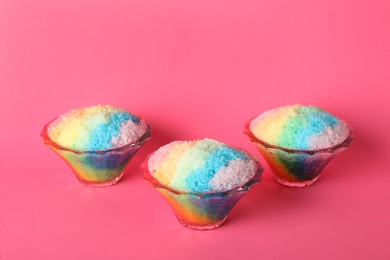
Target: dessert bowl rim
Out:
[243,187]
[330,149]
[141,140]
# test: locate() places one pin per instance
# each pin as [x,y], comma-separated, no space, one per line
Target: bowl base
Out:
[298,184]
[101,184]
[203,227]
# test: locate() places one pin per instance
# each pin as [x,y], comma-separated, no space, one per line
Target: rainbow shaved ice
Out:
[201,166]
[97,142]
[201,180]
[96,128]
[298,141]
[299,127]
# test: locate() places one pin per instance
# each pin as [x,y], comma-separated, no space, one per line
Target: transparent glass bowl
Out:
[202,211]
[297,167]
[97,168]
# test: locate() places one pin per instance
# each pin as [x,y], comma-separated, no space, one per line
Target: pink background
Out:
[193,69]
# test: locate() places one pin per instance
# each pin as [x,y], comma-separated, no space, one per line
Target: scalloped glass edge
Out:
[244,187]
[146,136]
[331,149]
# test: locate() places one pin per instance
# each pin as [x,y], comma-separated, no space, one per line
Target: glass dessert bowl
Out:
[98,167]
[297,167]
[202,210]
